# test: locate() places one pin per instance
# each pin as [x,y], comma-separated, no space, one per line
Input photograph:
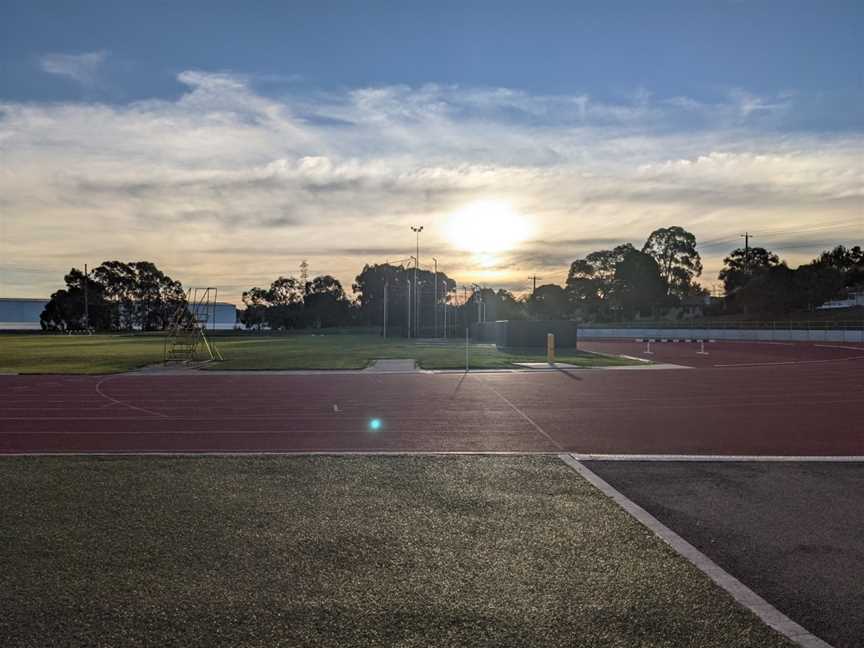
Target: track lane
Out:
[801,409]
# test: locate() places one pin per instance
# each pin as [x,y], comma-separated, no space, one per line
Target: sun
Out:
[487,227]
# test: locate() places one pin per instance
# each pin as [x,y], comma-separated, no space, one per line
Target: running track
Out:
[741,399]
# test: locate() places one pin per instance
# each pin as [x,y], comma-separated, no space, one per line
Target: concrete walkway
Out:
[392,365]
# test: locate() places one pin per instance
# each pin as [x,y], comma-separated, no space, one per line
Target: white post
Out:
[466,349]
[385,310]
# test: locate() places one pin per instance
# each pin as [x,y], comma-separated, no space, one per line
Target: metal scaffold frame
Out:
[187,335]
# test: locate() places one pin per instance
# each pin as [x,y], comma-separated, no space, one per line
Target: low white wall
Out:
[764,335]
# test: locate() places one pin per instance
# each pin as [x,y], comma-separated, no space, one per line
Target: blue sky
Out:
[270,127]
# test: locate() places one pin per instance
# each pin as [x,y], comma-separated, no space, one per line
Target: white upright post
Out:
[385,310]
[466,350]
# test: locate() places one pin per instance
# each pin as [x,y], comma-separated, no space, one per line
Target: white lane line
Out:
[715,458]
[119,402]
[837,346]
[746,597]
[524,416]
[285,453]
[789,362]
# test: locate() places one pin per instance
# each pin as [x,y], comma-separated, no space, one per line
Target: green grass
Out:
[325,551]
[77,353]
[114,353]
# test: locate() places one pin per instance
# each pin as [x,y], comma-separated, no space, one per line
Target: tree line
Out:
[609,285]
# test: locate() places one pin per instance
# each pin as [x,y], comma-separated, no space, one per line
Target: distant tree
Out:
[591,281]
[119,295]
[848,261]
[549,301]
[65,310]
[638,287]
[740,266]
[842,258]
[674,250]
[507,307]
[497,305]
[815,284]
[778,290]
[368,288]
[325,303]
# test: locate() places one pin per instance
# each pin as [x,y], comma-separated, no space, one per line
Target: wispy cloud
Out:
[84,68]
[231,186]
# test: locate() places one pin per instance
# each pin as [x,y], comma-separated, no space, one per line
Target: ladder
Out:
[187,336]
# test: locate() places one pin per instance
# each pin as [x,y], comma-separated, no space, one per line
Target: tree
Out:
[325,302]
[591,280]
[638,287]
[674,250]
[65,310]
[848,261]
[740,266]
[369,290]
[120,296]
[779,290]
[549,301]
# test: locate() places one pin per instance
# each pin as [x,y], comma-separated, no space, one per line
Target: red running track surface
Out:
[770,400]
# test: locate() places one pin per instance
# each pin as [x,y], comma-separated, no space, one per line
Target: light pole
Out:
[435,298]
[408,283]
[417,231]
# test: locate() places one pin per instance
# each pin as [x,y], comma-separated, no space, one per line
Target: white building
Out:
[22,314]
[852,300]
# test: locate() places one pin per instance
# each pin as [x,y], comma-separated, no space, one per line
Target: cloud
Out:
[83,68]
[229,186]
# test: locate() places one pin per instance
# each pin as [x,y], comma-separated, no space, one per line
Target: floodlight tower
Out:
[417,231]
[435,298]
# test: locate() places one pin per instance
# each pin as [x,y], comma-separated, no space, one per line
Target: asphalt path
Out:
[790,531]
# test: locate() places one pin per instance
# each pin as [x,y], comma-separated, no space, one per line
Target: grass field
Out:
[327,551]
[115,353]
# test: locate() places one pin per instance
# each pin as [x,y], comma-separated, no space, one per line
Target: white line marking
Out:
[629,357]
[524,416]
[789,362]
[278,453]
[746,597]
[119,402]
[752,458]
[836,346]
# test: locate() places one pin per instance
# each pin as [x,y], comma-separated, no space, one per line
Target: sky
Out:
[227,141]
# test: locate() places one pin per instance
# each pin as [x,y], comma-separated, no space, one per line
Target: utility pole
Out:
[417,231]
[408,283]
[535,278]
[86,303]
[746,237]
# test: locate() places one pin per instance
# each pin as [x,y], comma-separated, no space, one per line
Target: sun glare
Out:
[487,227]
